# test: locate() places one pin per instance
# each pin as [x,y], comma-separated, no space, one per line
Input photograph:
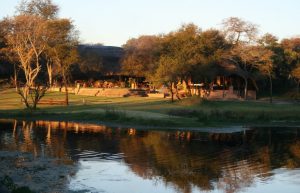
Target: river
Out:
[75,157]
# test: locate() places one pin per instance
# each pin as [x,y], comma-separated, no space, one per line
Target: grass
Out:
[141,111]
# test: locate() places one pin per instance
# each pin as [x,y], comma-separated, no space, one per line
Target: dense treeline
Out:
[192,55]
[37,49]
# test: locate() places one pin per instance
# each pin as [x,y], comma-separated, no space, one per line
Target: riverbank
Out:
[26,173]
[154,112]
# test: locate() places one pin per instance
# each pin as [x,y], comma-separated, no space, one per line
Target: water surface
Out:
[114,160]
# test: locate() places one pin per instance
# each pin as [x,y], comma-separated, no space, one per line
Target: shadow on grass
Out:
[108,115]
[187,112]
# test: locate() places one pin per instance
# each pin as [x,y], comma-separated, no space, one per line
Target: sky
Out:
[113,22]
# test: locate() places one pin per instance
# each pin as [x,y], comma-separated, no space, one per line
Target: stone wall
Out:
[58,89]
[229,94]
[105,92]
[156,95]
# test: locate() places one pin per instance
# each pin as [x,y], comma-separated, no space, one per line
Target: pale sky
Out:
[113,22]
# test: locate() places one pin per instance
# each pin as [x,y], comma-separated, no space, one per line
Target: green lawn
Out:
[191,112]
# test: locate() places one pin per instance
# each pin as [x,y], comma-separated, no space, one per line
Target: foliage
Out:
[239,31]
[211,47]
[191,55]
[141,56]
[181,57]
[296,73]
[27,39]
[242,35]
[41,8]
[34,36]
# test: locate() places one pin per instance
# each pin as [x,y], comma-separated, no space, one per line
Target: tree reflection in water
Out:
[232,161]
[187,160]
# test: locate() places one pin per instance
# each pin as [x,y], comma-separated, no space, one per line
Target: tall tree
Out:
[167,74]
[292,54]
[141,56]
[189,54]
[47,10]
[35,35]
[62,48]
[6,58]
[241,34]
[281,69]
[210,47]
[182,47]
[263,61]
[237,30]
[273,57]
[66,55]
[27,39]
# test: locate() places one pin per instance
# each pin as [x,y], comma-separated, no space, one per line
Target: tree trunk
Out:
[66,87]
[271,89]
[15,128]
[177,94]
[34,105]
[189,90]
[246,89]
[298,85]
[67,95]
[49,69]
[24,93]
[172,94]
[39,93]
[15,77]
[188,87]
[223,87]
